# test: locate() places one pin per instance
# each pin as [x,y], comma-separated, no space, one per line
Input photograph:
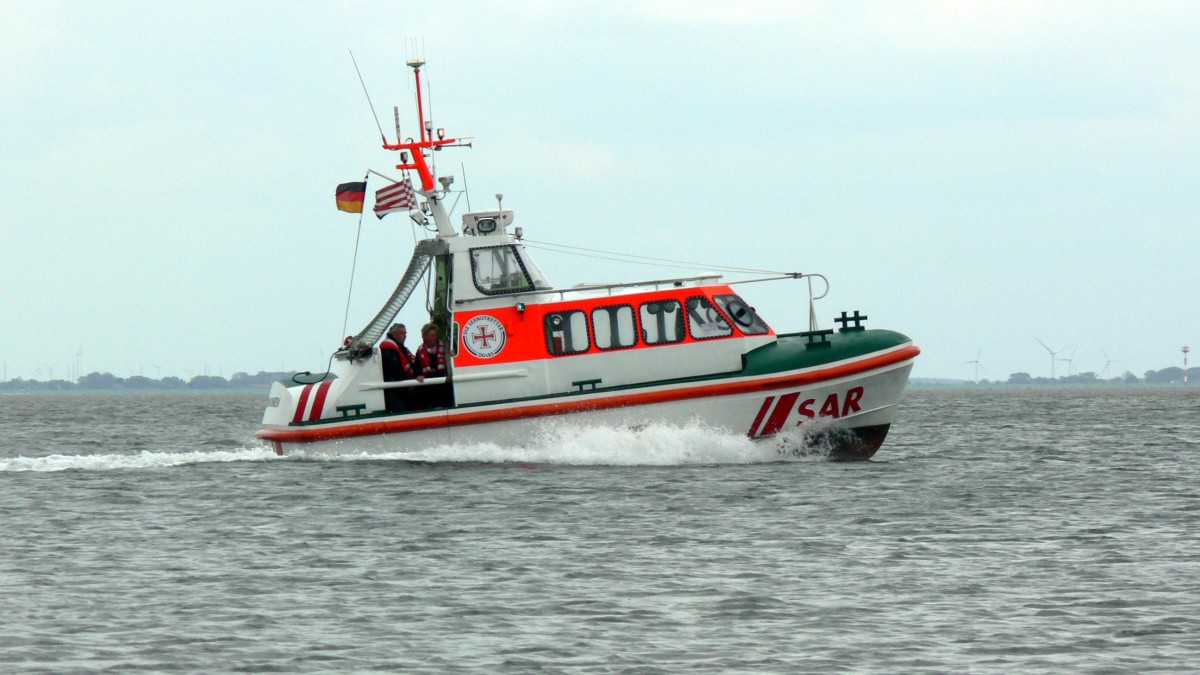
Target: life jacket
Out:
[403,355]
[432,365]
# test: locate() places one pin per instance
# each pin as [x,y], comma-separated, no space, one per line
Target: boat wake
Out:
[142,460]
[563,444]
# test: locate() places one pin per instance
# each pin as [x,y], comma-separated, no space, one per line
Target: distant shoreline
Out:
[1033,383]
[260,381]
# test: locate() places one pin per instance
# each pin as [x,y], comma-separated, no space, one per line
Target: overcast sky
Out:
[972,174]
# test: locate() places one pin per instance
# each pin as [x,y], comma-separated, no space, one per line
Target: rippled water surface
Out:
[997,530]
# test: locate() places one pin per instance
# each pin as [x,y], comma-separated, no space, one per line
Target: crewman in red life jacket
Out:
[398,364]
[431,359]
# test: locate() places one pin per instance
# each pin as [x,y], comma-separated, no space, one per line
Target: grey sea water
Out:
[998,530]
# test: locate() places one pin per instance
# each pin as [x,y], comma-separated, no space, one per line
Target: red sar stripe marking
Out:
[780,414]
[319,401]
[301,403]
[759,417]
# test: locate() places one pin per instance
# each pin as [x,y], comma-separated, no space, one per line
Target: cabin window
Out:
[498,270]
[613,327]
[743,315]
[566,332]
[662,322]
[704,321]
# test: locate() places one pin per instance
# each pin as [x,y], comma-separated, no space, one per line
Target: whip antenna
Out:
[369,103]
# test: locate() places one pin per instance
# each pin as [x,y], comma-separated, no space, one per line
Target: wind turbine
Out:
[1107,361]
[1052,354]
[978,365]
[1070,361]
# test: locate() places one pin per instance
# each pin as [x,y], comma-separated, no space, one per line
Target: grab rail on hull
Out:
[465,377]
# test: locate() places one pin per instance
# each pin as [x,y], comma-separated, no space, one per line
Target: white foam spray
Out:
[557,443]
[572,444]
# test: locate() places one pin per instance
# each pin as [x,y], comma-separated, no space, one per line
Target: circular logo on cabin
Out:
[484,336]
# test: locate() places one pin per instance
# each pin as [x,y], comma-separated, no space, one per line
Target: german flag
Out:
[350,196]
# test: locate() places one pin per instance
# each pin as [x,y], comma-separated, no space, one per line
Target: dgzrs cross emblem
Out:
[484,336]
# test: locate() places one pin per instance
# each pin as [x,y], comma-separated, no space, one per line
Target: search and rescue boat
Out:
[520,351]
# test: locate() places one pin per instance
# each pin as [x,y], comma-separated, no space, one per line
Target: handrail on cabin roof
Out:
[676,282]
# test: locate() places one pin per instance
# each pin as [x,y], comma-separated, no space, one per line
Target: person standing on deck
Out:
[431,359]
[398,364]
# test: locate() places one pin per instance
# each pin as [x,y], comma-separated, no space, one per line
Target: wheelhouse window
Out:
[743,315]
[566,332]
[662,322]
[613,327]
[502,269]
[531,269]
[704,321]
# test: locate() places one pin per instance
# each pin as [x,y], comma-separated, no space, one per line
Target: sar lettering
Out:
[833,406]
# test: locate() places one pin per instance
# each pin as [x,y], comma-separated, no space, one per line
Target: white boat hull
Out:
[853,409]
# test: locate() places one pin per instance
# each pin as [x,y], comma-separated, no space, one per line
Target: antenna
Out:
[415,62]
[466,192]
[499,201]
[369,103]
[396,113]
[414,51]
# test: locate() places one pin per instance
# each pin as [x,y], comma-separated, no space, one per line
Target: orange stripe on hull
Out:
[443,419]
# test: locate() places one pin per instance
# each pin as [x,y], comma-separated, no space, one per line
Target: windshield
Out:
[743,315]
[501,269]
[531,269]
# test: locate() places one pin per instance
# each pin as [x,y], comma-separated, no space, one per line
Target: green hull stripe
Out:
[790,352]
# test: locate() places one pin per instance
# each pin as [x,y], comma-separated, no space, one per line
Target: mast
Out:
[413,155]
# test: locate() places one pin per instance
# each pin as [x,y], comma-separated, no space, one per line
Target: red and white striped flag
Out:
[395,197]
